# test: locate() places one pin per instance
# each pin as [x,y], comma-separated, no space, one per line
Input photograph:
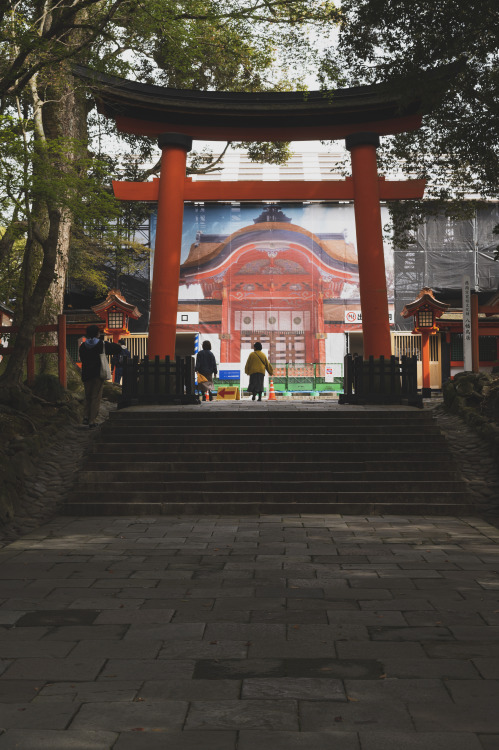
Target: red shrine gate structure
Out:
[359,115]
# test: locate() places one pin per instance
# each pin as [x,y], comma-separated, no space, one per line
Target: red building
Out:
[268,282]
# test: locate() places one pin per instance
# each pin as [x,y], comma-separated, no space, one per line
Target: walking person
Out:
[256,364]
[206,366]
[117,361]
[90,352]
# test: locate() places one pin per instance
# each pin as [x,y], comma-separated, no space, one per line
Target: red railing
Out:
[59,348]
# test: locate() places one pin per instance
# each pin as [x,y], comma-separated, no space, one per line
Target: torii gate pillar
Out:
[372,277]
[166,271]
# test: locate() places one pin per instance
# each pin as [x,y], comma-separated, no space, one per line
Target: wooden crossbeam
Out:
[254,190]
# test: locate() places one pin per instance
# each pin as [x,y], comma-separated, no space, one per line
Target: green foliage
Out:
[55,172]
[226,44]
[269,153]
[57,156]
[10,267]
[457,149]
[37,35]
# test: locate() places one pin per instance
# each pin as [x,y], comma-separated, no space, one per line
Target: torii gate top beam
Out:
[144,109]
[255,190]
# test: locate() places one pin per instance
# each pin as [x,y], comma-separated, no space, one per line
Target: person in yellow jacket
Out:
[256,364]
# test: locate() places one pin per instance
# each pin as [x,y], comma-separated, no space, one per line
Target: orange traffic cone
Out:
[271,391]
[206,396]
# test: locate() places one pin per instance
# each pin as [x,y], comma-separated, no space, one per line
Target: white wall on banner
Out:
[335,347]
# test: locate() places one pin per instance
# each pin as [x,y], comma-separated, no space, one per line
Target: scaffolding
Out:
[444,250]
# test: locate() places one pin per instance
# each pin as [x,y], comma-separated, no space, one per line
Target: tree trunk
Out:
[63,121]
[15,365]
[64,117]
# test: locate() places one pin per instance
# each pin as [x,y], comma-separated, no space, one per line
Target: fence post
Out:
[178,375]
[371,374]
[167,375]
[30,365]
[183,365]
[61,350]
[146,375]
[125,379]
[189,374]
[156,373]
[394,372]
[382,373]
[405,389]
[347,374]
[134,385]
[413,375]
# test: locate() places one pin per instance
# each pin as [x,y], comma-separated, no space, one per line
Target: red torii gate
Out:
[359,115]
[371,264]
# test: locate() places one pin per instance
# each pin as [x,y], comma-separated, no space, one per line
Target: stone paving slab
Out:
[298,741]
[47,739]
[296,632]
[194,740]
[421,741]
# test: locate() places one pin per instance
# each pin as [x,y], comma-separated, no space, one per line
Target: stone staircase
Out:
[200,460]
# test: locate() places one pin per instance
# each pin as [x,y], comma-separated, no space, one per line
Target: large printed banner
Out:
[282,274]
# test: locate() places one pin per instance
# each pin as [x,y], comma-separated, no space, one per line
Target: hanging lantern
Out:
[116,312]
[425,310]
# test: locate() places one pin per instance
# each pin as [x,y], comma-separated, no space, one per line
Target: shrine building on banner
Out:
[272,281]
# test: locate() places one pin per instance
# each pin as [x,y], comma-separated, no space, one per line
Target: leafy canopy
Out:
[457,149]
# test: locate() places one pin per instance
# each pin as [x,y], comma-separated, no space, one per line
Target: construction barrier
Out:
[228,393]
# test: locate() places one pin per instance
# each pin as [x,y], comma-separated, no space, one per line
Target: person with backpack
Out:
[118,360]
[206,366]
[256,364]
[93,382]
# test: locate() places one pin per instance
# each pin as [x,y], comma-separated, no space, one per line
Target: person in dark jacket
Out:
[90,352]
[206,366]
[117,361]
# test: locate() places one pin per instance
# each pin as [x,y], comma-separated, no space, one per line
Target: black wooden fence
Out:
[158,381]
[380,381]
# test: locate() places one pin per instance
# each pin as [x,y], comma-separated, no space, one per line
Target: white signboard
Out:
[467,355]
[187,318]
[331,372]
[355,316]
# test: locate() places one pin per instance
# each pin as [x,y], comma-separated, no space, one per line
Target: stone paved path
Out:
[276,633]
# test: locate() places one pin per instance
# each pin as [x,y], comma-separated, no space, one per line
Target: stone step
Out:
[143,432]
[103,494]
[208,502]
[135,490]
[451,507]
[264,473]
[337,424]
[264,462]
[268,432]
[288,415]
[245,462]
[288,442]
[267,461]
